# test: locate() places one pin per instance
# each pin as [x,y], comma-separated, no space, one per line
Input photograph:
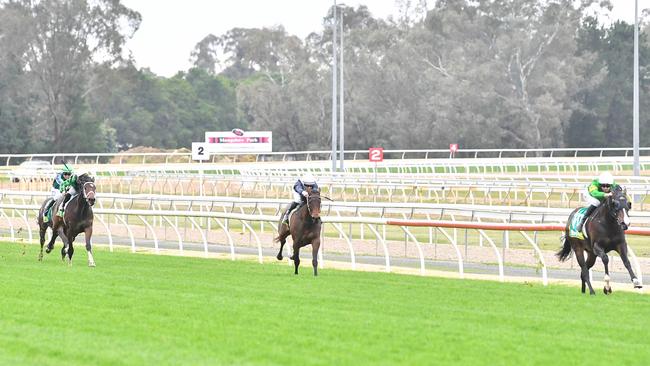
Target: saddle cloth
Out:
[48,213]
[573,232]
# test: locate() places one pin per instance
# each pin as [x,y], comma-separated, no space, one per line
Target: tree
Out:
[63,39]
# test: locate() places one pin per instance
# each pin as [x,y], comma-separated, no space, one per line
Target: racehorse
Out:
[304,227]
[605,232]
[77,218]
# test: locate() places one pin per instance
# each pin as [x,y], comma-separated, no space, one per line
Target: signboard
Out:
[239,141]
[376,154]
[200,151]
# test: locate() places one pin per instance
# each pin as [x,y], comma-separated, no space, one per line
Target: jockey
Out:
[301,190]
[67,187]
[597,191]
[55,191]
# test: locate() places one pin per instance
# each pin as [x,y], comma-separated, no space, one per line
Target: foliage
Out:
[481,73]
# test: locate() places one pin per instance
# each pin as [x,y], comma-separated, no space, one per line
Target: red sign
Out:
[376,154]
[453,147]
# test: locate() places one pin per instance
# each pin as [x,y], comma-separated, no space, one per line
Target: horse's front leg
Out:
[315,246]
[622,252]
[66,245]
[296,256]
[88,233]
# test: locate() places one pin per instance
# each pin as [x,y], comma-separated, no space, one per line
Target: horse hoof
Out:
[607,291]
[638,286]
[291,259]
[48,250]
[279,257]
[91,264]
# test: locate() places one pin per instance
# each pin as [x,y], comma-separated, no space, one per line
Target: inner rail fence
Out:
[140,227]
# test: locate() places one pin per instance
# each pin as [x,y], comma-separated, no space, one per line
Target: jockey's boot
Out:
[62,207]
[291,207]
[590,210]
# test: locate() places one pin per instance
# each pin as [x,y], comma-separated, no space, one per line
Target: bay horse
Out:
[605,232]
[304,227]
[77,218]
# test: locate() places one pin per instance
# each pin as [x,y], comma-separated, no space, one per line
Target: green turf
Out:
[137,309]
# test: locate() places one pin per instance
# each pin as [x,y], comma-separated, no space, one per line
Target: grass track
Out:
[136,309]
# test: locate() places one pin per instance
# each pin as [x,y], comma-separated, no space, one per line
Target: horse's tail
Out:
[564,253]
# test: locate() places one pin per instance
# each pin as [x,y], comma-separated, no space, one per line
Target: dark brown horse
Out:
[77,218]
[605,232]
[304,227]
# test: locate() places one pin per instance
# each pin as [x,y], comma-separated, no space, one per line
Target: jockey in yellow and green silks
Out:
[597,191]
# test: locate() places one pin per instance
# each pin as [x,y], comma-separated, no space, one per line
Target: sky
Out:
[171,28]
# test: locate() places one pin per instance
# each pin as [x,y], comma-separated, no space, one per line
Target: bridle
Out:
[89,194]
[312,196]
[615,204]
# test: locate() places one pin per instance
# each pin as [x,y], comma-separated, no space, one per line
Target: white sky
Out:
[171,28]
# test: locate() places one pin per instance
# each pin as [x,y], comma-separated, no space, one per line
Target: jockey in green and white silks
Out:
[67,188]
[597,191]
[55,191]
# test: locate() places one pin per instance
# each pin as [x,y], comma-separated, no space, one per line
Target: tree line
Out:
[480,73]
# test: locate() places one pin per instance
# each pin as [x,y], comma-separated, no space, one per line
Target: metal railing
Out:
[315,155]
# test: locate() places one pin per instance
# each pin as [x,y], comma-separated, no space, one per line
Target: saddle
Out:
[294,212]
[573,232]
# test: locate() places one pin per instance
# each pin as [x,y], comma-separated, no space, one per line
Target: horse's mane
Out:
[85,178]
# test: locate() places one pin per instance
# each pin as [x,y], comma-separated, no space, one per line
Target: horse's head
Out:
[88,188]
[313,203]
[619,204]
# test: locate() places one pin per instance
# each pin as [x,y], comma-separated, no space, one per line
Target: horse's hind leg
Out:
[584,271]
[50,245]
[282,238]
[607,289]
[282,242]
[41,233]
